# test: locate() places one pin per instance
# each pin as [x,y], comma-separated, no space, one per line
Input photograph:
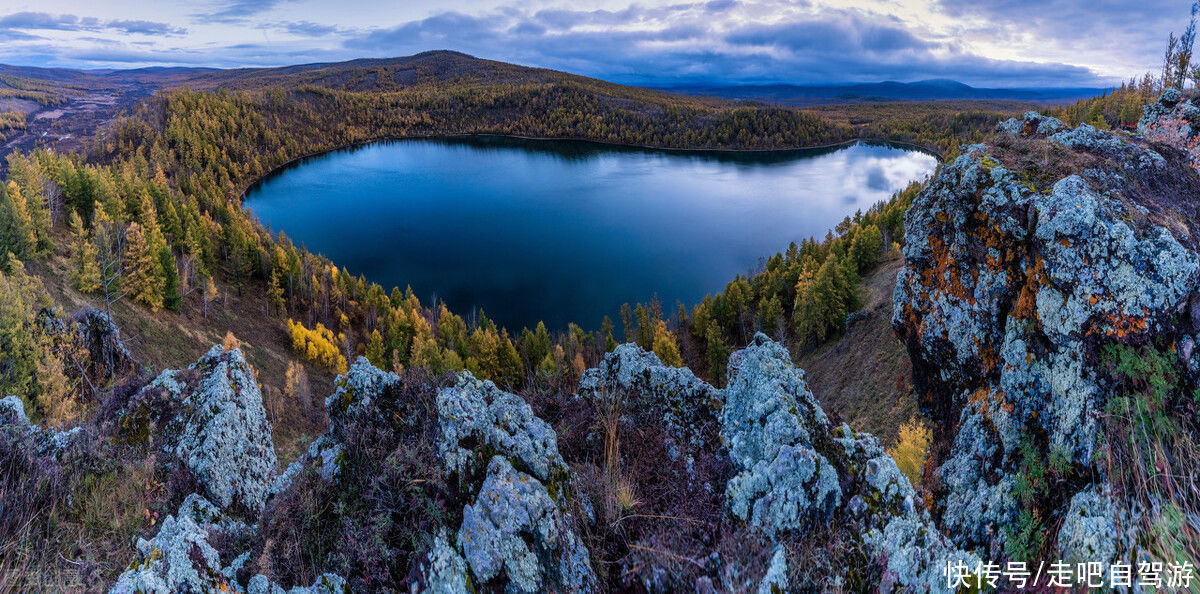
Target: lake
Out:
[566,231]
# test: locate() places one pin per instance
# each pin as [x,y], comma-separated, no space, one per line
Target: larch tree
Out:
[16,227]
[85,268]
[142,281]
[665,346]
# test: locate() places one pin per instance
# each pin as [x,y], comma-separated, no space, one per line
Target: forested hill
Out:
[62,108]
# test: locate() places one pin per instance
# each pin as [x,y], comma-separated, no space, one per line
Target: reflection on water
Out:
[564,231]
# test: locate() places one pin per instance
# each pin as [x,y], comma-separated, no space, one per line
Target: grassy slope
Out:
[863,377]
[170,340]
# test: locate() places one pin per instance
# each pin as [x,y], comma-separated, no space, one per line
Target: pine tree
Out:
[172,299]
[141,270]
[718,353]
[85,269]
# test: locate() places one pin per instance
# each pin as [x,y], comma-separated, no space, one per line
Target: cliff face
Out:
[1050,308]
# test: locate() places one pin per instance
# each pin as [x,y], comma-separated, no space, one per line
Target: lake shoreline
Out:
[836,145]
[484,221]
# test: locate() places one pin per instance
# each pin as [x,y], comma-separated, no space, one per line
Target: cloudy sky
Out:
[1021,43]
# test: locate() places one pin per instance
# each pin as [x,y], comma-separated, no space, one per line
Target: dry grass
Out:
[863,377]
[170,340]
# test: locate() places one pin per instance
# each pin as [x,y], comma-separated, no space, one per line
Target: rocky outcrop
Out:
[689,407]
[498,458]
[516,531]
[1031,262]
[47,442]
[183,558]
[210,420]
[801,477]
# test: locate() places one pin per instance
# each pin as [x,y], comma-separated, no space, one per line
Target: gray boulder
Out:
[689,407]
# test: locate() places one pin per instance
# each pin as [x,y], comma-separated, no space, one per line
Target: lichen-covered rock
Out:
[1022,274]
[491,421]
[46,441]
[770,421]
[797,472]
[182,557]
[179,558]
[354,394]
[687,406]
[327,583]
[1093,529]
[798,485]
[767,404]
[443,571]
[516,530]
[512,512]
[108,357]
[226,440]
[776,580]
[211,420]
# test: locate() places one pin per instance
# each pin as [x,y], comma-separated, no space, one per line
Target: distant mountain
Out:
[923,90]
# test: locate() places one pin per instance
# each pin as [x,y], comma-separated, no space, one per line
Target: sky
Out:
[1011,43]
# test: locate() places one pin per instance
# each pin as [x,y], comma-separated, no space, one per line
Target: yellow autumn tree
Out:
[911,448]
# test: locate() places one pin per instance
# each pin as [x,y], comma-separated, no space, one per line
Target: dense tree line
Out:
[153,215]
[940,126]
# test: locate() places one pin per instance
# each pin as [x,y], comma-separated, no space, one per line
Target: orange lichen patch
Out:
[942,217]
[987,401]
[1026,306]
[1122,325]
[988,358]
[944,275]
[1064,242]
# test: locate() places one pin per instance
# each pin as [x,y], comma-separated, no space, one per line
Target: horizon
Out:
[713,84]
[653,43]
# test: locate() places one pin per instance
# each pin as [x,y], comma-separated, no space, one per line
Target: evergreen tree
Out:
[376,351]
[142,282]
[85,269]
[16,227]
[275,295]
[606,329]
[867,248]
[665,346]
[717,353]
[172,299]
[511,369]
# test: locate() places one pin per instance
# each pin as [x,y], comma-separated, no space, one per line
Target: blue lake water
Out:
[563,232]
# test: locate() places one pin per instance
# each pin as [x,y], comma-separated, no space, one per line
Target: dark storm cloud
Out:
[697,41]
[838,34]
[678,44]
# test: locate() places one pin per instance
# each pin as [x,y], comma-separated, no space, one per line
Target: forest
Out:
[151,215]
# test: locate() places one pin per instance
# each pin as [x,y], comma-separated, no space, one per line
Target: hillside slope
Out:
[1049,302]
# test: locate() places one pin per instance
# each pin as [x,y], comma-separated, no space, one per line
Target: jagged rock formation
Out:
[210,419]
[1033,262]
[689,407]
[800,477]
[46,441]
[181,558]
